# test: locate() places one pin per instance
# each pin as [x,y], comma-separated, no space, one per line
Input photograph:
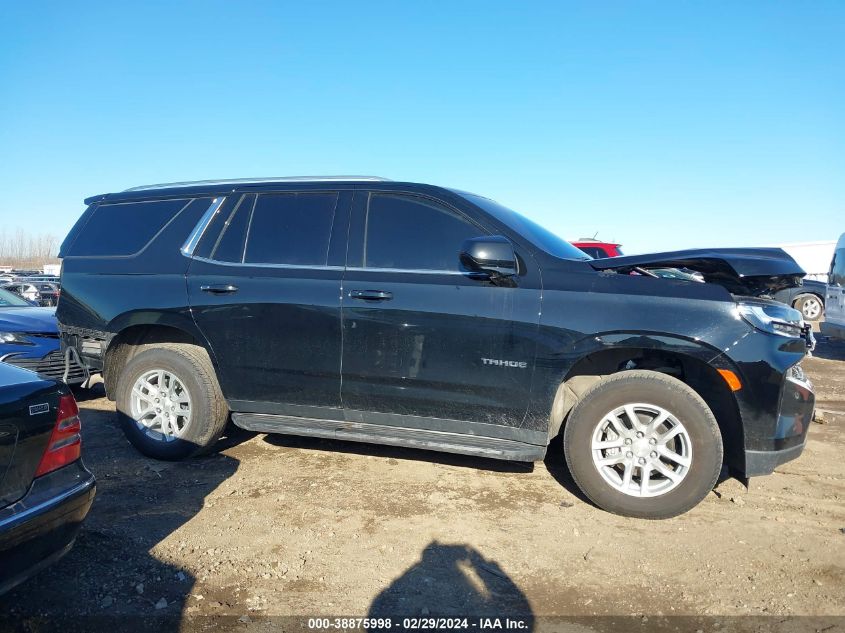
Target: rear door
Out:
[426,345]
[264,290]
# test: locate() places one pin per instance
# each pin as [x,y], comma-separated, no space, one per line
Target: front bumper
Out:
[765,462]
[38,529]
[795,413]
[51,365]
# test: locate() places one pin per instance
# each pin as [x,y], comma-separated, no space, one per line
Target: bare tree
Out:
[21,249]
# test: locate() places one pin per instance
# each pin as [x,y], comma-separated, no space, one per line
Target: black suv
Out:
[415,315]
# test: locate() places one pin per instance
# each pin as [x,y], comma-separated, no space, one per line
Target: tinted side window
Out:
[414,233]
[230,243]
[291,228]
[837,268]
[124,228]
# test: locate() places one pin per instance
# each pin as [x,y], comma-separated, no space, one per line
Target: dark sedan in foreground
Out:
[45,490]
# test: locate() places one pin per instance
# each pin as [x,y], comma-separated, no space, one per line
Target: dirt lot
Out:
[274,525]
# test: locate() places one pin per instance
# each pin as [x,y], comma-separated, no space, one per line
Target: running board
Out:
[491,447]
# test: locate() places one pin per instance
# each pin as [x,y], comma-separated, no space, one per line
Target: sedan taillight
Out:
[65,444]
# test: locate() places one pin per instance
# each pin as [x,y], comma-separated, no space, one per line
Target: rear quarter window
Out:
[122,229]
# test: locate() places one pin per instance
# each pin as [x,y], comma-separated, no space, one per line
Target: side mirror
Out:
[492,255]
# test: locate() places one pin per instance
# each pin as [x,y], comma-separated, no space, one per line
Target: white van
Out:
[834,323]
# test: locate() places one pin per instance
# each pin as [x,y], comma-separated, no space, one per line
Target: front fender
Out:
[605,353]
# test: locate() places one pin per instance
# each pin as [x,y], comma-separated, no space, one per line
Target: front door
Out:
[424,344]
[267,299]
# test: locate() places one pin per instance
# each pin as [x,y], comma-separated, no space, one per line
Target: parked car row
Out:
[42,290]
[40,293]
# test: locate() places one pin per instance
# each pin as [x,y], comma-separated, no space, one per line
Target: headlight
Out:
[772,318]
[13,337]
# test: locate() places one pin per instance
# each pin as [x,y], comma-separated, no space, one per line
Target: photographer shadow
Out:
[453,581]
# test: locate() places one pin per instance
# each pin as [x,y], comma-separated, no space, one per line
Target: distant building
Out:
[813,257]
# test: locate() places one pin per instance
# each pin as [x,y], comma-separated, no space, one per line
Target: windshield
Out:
[530,230]
[11,300]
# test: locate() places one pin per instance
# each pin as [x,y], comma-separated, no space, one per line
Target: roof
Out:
[256,181]
[214,188]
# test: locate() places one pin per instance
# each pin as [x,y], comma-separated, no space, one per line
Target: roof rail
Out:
[242,181]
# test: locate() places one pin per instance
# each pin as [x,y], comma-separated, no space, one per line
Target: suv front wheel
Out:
[643,444]
[169,402]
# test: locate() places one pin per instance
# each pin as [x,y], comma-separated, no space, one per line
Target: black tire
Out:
[810,306]
[209,412]
[660,390]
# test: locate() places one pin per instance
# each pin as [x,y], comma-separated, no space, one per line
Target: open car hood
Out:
[743,271]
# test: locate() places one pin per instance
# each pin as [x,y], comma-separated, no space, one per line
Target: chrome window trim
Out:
[195,236]
[420,271]
[414,271]
[256,265]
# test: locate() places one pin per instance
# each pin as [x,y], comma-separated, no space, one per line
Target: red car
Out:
[597,249]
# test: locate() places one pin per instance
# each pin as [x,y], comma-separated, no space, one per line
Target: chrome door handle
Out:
[371,295]
[219,289]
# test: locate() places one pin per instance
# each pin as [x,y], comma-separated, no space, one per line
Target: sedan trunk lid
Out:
[28,406]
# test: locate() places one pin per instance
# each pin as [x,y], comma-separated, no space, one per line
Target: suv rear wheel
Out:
[643,444]
[169,402]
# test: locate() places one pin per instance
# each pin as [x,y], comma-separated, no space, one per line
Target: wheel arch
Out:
[693,363]
[138,332]
[808,293]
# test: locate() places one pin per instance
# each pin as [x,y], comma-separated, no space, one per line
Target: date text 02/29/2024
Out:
[418,623]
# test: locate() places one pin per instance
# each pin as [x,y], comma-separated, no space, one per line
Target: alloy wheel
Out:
[641,450]
[160,405]
[811,308]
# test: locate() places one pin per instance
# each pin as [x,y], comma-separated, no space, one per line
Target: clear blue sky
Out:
[658,124]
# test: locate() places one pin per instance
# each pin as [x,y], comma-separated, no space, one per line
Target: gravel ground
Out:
[275,526]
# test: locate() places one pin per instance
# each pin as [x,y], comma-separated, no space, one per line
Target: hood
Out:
[744,271]
[28,320]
